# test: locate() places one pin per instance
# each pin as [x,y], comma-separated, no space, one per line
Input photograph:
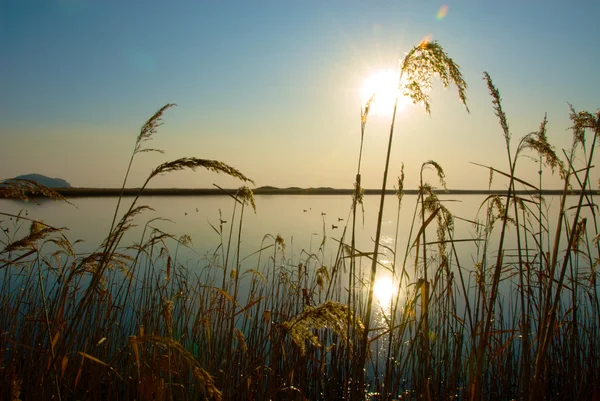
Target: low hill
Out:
[43,180]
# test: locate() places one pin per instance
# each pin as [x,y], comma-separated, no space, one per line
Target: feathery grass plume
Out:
[241,340]
[20,188]
[88,264]
[438,169]
[582,120]
[281,242]
[578,235]
[479,276]
[255,274]
[520,202]
[192,163]
[538,141]
[175,165]
[205,380]
[421,64]
[168,306]
[358,195]
[246,195]
[400,188]
[124,224]
[364,114]
[322,275]
[495,204]
[497,104]
[156,236]
[65,247]
[37,231]
[331,314]
[149,128]
[121,261]
[185,240]
[445,220]
[431,203]
[91,265]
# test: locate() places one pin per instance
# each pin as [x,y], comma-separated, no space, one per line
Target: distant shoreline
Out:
[99,192]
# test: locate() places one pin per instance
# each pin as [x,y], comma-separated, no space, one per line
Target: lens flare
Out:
[425,41]
[442,12]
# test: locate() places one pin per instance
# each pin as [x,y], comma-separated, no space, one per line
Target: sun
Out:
[384,291]
[384,85]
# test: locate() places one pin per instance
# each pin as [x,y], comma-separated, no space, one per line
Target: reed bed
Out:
[519,319]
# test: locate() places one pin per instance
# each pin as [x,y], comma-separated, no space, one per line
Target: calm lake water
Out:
[302,220]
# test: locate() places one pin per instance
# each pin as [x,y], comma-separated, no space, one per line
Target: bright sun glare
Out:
[384,291]
[384,84]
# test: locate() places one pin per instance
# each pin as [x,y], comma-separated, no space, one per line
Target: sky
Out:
[275,88]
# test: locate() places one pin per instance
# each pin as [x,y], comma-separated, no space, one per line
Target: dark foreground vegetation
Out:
[518,319]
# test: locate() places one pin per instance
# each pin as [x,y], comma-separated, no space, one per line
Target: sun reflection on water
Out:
[384,291]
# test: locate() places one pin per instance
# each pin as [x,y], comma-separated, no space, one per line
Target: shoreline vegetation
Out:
[269,190]
[509,311]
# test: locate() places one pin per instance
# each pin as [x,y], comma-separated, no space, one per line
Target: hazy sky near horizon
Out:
[274,88]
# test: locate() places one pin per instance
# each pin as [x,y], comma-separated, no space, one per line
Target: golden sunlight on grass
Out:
[384,85]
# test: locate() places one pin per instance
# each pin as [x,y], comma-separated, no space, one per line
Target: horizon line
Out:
[270,190]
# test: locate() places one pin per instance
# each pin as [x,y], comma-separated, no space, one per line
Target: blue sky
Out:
[274,87]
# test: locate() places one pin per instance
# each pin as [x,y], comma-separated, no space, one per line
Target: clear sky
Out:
[274,87]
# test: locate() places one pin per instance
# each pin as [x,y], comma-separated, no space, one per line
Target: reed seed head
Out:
[150,128]
[424,62]
[192,163]
[497,103]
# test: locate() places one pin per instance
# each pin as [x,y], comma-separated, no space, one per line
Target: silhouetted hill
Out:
[43,180]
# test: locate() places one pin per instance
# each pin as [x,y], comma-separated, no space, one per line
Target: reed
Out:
[418,68]
[490,316]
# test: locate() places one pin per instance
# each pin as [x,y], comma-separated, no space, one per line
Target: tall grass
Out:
[518,318]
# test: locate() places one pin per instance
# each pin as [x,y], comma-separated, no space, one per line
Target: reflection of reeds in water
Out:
[519,319]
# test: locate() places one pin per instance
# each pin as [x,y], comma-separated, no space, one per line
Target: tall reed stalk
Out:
[421,64]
